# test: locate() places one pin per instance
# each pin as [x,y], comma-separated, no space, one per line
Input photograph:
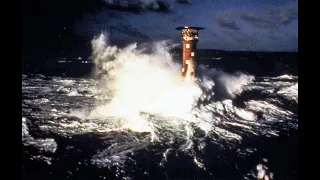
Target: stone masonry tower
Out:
[189,37]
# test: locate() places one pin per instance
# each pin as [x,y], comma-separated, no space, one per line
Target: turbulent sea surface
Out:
[77,128]
[233,145]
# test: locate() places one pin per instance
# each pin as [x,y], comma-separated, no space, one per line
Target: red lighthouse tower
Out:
[189,37]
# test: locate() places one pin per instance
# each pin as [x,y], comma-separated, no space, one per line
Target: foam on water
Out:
[289,92]
[43,144]
[171,133]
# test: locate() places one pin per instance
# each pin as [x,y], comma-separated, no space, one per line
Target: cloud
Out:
[183,1]
[131,32]
[287,13]
[226,21]
[257,19]
[267,30]
[258,40]
[271,18]
[233,29]
[274,16]
[141,5]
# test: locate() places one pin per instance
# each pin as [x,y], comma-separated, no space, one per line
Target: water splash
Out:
[142,81]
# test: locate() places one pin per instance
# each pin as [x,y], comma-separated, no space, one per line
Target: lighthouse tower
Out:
[189,37]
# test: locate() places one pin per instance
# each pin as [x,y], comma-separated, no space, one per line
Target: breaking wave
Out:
[140,81]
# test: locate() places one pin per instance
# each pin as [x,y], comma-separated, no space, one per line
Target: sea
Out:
[126,113]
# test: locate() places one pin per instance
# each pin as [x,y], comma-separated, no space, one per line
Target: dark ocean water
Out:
[58,146]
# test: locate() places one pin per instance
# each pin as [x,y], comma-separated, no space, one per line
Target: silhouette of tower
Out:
[189,37]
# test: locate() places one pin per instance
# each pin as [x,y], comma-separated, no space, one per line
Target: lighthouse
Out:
[189,38]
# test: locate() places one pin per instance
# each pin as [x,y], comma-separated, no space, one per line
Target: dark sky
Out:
[247,25]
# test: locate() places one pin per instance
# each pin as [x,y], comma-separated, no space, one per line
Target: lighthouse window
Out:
[187,61]
[182,69]
[192,53]
[187,45]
